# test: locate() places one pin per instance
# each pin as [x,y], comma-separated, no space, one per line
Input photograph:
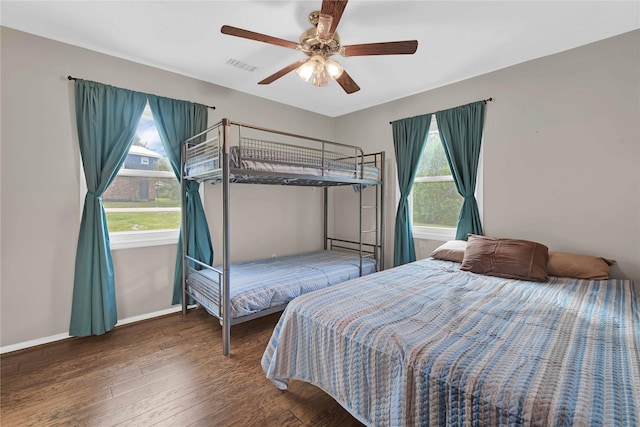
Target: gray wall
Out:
[561,149]
[41,190]
[561,164]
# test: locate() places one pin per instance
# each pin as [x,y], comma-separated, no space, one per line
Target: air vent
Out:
[239,64]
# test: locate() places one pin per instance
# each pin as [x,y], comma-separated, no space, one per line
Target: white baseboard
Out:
[33,343]
[58,337]
[149,315]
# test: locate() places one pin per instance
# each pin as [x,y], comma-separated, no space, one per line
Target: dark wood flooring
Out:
[167,371]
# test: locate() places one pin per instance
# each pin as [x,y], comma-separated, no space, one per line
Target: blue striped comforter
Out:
[263,284]
[428,344]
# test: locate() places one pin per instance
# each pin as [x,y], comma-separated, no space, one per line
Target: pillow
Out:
[509,258]
[453,250]
[579,266]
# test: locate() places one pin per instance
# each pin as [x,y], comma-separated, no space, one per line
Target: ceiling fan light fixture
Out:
[305,71]
[321,78]
[313,67]
[334,69]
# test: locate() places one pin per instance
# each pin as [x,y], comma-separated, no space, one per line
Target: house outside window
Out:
[143,203]
[435,202]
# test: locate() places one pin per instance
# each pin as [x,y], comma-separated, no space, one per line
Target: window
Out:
[143,202]
[435,202]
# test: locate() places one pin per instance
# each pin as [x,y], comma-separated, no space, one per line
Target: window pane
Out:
[436,204]
[433,161]
[145,195]
[141,203]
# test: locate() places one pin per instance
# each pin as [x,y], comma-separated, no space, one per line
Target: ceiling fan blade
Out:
[324,24]
[246,34]
[275,76]
[406,47]
[347,83]
[335,8]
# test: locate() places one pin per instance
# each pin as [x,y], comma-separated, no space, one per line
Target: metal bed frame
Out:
[331,164]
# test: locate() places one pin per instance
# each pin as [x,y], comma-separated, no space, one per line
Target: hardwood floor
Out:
[167,371]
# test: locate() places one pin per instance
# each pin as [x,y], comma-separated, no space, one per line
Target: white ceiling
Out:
[456,39]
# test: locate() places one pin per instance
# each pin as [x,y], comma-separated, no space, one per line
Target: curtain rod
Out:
[204,105]
[484,100]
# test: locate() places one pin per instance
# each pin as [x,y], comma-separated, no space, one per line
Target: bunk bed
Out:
[231,152]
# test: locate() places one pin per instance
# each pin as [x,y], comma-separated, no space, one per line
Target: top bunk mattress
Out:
[263,284]
[299,163]
[257,159]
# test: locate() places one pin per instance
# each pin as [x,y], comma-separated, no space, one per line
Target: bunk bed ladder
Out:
[378,220]
[375,207]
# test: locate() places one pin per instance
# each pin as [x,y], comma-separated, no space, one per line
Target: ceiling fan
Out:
[319,44]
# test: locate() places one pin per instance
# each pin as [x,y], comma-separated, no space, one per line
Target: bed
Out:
[266,161]
[231,152]
[269,284]
[429,344]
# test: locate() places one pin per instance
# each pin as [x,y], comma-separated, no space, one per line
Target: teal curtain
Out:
[461,134]
[177,121]
[107,118]
[409,138]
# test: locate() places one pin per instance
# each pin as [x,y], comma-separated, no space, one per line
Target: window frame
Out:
[431,232]
[443,233]
[140,239]
[144,238]
[134,239]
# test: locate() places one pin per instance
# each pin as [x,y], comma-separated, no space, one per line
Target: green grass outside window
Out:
[143,221]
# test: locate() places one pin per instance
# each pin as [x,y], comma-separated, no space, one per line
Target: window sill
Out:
[434,233]
[141,239]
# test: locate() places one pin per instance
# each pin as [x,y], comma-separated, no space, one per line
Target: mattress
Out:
[295,163]
[203,160]
[428,344]
[264,284]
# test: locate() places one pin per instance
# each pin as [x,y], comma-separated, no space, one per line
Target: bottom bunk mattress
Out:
[428,344]
[260,285]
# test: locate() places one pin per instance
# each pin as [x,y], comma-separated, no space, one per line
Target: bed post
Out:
[226,255]
[325,191]
[360,220]
[382,215]
[183,228]
[378,224]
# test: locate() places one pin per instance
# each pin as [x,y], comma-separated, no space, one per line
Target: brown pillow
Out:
[509,258]
[579,266]
[453,250]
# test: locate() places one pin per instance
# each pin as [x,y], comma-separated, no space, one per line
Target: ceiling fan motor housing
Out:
[312,44]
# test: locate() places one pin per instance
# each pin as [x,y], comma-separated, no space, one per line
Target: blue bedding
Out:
[428,344]
[263,284]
